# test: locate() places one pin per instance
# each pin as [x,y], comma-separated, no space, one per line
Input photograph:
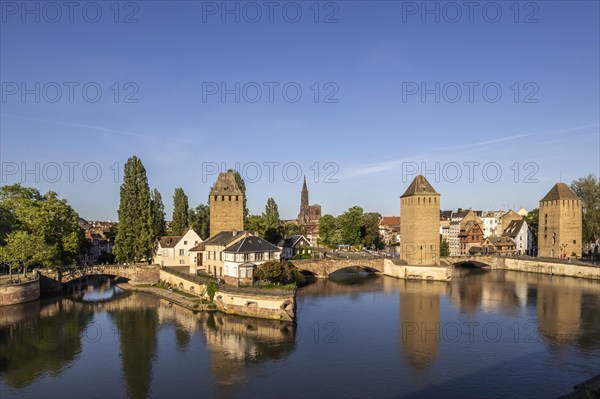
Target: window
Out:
[258,256]
[246,257]
[181,261]
[230,198]
[182,252]
[185,243]
[220,255]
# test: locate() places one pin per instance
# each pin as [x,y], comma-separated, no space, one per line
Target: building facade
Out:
[226,202]
[175,250]
[420,223]
[519,231]
[560,223]
[242,257]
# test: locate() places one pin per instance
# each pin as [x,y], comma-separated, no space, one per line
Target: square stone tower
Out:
[226,202]
[560,224]
[420,224]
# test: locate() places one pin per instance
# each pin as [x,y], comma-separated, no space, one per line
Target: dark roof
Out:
[513,228]
[225,185]
[461,213]
[198,248]
[291,240]
[251,244]
[169,241]
[224,237]
[445,215]
[501,241]
[560,191]
[419,186]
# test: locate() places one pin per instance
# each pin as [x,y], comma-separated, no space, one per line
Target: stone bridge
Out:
[324,267]
[53,279]
[491,261]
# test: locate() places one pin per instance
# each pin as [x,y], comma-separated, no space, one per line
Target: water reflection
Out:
[237,343]
[39,337]
[219,355]
[420,321]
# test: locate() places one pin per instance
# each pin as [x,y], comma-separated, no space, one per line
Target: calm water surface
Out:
[494,334]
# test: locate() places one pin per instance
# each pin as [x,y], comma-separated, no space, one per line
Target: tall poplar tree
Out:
[181,221]
[273,231]
[134,239]
[158,215]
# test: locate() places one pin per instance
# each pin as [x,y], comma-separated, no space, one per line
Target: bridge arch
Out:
[326,267]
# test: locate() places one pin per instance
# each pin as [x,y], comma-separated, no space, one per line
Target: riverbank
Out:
[188,302]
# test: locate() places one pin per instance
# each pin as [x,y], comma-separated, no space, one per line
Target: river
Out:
[485,334]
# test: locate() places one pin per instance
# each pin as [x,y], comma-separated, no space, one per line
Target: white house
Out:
[242,257]
[175,250]
[520,232]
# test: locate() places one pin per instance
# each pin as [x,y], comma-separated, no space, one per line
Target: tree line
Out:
[353,227]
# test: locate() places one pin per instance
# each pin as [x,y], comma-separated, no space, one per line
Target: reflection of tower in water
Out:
[558,312]
[420,321]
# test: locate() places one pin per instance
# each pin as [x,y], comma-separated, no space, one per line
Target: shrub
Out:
[279,271]
[211,290]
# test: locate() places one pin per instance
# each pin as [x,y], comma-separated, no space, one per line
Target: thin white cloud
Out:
[94,127]
[388,165]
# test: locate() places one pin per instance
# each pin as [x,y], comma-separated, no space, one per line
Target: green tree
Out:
[279,271]
[42,216]
[273,231]
[134,240]
[180,222]
[271,215]
[444,248]
[24,249]
[370,231]
[588,189]
[200,220]
[327,231]
[158,214]
[8,223]
[242,185]
[350,224]
[292,229]
[532,220]
[255,223]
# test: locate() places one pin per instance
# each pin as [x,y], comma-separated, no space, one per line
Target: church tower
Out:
[560,223]
[226,202]
[420,224]
[304,215]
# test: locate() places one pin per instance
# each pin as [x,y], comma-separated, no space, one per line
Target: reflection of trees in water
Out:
[46,341]
[137,330]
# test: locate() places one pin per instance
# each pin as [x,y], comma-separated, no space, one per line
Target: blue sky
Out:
[368,130]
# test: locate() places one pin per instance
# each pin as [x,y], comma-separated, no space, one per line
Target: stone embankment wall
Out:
[558,269]
[13,294]
[182,283]
[257,303]
[430,273]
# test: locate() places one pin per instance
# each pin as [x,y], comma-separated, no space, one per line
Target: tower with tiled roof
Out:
[560,223]
[420,224]
[226,202]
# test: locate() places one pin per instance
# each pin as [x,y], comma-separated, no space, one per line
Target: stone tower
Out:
[420,224]
[560,223]
[226,202]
